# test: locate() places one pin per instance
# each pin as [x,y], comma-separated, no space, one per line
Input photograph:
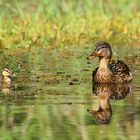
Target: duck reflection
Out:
[105,92]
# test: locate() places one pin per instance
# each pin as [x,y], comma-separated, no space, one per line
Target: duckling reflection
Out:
[106,92]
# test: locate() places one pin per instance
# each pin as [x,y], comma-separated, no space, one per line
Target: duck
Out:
[109,71]
[5,78]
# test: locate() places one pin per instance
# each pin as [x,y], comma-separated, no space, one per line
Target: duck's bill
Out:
[92,56]
[91,111]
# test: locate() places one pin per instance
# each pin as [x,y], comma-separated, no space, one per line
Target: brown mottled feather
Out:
[120,71]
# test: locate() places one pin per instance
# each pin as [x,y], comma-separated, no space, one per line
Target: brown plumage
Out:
[5,78]
[109,71]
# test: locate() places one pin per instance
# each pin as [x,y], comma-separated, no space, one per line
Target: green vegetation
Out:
[51,91]
[57,23]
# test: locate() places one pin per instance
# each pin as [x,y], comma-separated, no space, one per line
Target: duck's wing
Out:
[94,72]
[118,66]
[93,75]
[121,71]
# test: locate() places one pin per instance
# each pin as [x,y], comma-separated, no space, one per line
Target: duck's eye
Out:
[102,47]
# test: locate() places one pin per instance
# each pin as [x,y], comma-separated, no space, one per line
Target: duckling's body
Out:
[109,71]
[5,78]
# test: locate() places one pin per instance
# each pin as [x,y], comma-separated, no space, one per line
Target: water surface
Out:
[52,91]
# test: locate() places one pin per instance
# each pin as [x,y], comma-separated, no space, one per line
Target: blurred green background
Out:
[57,23]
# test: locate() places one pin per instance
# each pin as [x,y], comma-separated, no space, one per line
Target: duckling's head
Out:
[102,50]
[6,72]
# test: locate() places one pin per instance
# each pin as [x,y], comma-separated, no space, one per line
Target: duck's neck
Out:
[104,102]
[104,64]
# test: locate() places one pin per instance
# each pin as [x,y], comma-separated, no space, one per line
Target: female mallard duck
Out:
[109,71]
[5,79]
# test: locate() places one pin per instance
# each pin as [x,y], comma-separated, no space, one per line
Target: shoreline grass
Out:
[61,23]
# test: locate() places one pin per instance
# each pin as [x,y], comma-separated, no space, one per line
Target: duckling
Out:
[5,79]
[109,71]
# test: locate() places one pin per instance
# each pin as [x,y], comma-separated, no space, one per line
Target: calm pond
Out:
[52,91]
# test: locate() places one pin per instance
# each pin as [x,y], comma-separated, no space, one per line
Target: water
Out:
[52,91]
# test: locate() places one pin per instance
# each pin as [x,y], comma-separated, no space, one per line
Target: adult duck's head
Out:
[102,50]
